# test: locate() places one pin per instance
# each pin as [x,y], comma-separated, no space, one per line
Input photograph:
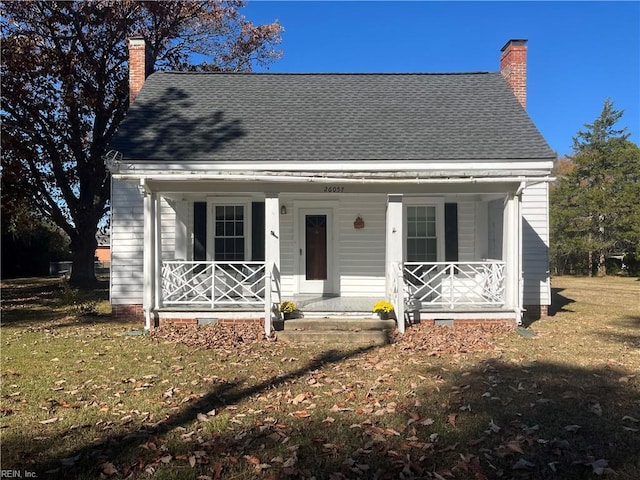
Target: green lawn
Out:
[82,398]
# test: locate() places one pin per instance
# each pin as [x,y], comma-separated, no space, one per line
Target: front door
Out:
[315,263]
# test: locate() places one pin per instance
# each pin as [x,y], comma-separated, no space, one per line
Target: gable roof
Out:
[209,117]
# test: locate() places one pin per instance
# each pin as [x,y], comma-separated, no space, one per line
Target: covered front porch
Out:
[212,254]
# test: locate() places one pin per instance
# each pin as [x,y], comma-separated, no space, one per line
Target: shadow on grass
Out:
[539,420]
[125,447]
[558,302]
[498,419]
[50,302]
[630,338]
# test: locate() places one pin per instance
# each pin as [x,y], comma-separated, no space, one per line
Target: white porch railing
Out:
[454,284]
[213,284]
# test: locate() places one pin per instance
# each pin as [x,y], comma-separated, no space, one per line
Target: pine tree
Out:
[594,207]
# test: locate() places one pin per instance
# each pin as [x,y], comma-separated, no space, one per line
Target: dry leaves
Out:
[458,339]
[225,336]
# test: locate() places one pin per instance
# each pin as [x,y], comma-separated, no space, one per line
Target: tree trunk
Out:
[602,266]
[590,263]
[83,251]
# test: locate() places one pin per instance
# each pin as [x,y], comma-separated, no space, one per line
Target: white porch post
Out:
[394,237]
[158,251]
[149,257]
[512,254]
[395,255]
[271,257]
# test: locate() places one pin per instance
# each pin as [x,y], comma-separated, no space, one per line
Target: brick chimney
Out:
[513,66]
[137,66]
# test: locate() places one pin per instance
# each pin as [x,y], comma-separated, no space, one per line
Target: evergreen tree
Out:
[594,206]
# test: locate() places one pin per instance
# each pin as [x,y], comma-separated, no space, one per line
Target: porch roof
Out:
[219,117]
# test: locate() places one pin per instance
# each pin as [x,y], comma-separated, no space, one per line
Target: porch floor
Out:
[319,303]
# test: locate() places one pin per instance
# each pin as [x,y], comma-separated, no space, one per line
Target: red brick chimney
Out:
[137,66]
[513,66]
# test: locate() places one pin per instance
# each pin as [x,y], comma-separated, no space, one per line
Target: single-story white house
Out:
[232,192]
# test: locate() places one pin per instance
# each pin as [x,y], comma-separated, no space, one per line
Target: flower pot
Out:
[383,315]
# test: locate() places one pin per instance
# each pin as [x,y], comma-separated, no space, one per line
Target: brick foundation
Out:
[536,312]
[186,322]
[127,313]
[483,322]
[471,322]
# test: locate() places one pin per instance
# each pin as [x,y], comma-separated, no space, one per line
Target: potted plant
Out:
[288,309]
[384,309]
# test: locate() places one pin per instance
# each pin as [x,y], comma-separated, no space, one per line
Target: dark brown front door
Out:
[316,247]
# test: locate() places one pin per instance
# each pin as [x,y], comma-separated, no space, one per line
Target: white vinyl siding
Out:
[535,244]
[362,251]
[127,241]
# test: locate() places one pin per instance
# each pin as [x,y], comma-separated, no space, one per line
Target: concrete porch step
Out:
[333,330]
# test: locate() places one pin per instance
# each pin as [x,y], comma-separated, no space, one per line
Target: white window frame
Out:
[212,203]
[438,203]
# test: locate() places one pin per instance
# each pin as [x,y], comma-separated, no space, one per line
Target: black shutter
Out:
[257,231]
[451,232]
[200,231]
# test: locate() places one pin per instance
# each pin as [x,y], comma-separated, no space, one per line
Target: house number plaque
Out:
[333,189]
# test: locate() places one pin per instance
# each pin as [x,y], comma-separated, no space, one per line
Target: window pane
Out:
[431,250]
[430,229]
[431,213]
[229,233]
[411,229]
[412,213]
[421,234]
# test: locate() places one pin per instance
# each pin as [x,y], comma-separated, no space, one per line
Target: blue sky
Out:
[579,53]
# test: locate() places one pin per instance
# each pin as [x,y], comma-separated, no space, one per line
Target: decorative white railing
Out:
[213,283]
[455,284]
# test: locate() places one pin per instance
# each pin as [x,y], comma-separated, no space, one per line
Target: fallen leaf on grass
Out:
[596,409]
[493,428]
[109,469]
[301,414]
[69,461]
[51,420]
[572,428]
[598,466]
[523,464]
[514,446]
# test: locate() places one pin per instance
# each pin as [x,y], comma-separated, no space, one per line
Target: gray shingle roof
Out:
[181,116]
